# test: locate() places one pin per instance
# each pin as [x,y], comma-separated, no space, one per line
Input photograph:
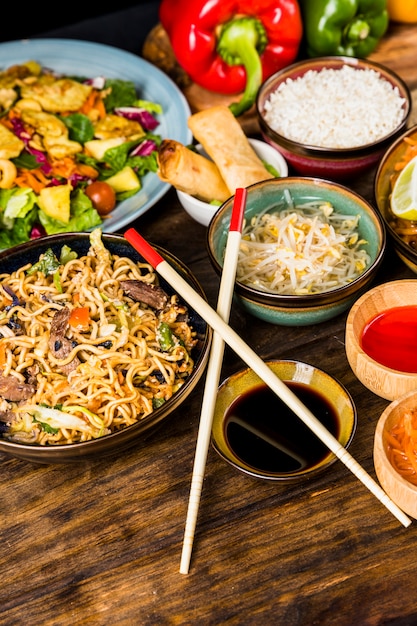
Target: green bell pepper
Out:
[343,27]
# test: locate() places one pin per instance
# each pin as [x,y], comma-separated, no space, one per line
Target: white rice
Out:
[335,108]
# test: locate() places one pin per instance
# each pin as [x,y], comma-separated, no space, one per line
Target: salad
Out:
[70,149]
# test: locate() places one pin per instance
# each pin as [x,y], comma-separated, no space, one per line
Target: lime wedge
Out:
[404,194]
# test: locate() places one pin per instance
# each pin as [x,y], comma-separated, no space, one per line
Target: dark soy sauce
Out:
[269,437]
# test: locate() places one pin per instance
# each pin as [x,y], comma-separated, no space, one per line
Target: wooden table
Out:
[100,543]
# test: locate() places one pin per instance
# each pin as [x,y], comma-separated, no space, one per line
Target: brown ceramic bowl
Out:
[404,245]
[400,490]
[329,162]
[382,380]
[113,443]
[262,440]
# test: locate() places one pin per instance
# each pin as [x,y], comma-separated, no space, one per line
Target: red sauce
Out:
[390,338]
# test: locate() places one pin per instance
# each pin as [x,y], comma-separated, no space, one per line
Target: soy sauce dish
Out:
[256,432]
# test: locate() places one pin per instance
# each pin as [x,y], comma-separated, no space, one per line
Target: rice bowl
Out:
[292,112]
[327,115]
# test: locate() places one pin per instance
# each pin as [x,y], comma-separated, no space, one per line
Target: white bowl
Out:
[202,212]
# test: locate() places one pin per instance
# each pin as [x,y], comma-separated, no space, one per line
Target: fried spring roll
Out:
[190,172]
[224,141]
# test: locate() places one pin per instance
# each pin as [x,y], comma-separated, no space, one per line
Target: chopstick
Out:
[260,368]
[224,302]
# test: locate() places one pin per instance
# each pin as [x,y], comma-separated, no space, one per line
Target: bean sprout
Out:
[302,249]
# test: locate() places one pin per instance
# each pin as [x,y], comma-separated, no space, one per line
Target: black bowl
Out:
[18,256]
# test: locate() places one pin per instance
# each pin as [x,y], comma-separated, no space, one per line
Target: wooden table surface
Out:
[100,542]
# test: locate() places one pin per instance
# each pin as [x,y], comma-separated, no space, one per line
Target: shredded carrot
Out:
[67,166]
[35,179]
[401,445]
[89,103]
[409,154]
[86,170]
[61,386]
[94,405]
[63,168]
[8,120]
[94,102]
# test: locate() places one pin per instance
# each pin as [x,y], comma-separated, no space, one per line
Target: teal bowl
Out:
[311,308]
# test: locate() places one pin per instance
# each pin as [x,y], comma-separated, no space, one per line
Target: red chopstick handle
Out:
[143,247]
[238,210]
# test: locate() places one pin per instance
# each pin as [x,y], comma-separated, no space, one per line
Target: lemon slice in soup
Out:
[404,194]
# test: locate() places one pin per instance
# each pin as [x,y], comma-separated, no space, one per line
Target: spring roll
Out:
[224,141]
[190,172]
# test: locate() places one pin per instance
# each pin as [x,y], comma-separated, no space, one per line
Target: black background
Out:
[35,19]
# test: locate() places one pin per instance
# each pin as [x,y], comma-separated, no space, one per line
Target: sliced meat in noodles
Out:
[152,295]
[59,345]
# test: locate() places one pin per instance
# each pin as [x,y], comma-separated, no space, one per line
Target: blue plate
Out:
[83,58]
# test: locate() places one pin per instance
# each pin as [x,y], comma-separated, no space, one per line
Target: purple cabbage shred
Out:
[145,119]
[98,82]
[37,231]
[144,149]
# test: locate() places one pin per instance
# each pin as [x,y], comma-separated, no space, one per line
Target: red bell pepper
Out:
[231,46]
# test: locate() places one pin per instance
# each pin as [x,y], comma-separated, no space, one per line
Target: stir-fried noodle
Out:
[301,249]
[88,345]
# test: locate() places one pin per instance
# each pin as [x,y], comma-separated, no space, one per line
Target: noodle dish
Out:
[91,343]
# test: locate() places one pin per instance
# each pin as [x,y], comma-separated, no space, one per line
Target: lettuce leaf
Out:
[122,93]
[80,127]
[19,231]
[16,202]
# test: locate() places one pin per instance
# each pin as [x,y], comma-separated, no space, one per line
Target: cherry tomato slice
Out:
[102,196]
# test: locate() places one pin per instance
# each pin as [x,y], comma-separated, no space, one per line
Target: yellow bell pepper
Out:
[402,10]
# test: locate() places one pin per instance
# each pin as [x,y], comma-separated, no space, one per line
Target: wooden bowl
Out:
[400,490]
[383,381]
